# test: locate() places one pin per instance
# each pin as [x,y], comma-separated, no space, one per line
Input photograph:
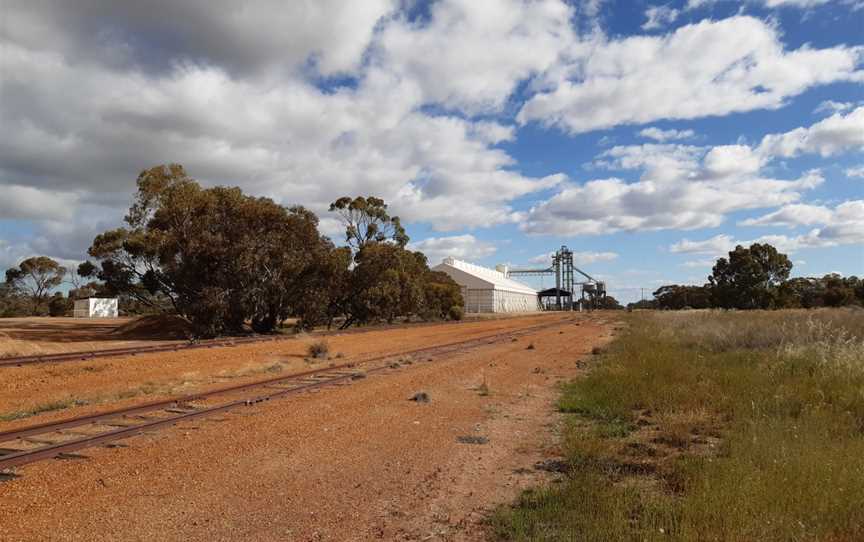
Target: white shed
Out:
[96,307]
[488,290]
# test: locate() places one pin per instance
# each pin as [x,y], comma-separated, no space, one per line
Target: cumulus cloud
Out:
[254,37]
[83,115]
[831,107]
[714,245]
[665,135]
[833,135]
[857,171]
[841,225]
[690,187]
[694,4]
[462,247]
[681,187]
[27,203]
[708,68]
[699,264]
[659,16]
[792,216]
[473,53]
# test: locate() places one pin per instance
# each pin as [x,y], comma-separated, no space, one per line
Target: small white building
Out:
[96,307]
[489,290]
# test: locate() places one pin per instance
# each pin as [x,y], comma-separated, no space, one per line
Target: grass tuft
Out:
[318,350]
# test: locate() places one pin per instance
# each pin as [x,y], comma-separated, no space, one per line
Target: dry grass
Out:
[318,350]
[10,347]
[782,391]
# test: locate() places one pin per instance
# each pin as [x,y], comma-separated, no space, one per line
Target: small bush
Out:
[318,350]
[455,312]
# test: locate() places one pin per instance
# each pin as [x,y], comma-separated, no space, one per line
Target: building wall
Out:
[488,300]
[515,302]
[96,308]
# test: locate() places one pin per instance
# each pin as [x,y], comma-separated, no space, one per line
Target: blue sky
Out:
[649,137]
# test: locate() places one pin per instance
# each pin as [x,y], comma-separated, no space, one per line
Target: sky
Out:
[648,137]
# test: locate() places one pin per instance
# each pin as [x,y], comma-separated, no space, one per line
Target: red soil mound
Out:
[155,327]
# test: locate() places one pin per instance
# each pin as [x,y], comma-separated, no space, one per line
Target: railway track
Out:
[18,361]
[62,438]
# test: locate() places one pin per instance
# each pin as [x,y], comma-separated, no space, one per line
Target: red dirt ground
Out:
[359,462]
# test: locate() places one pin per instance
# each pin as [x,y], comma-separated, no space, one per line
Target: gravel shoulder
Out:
[358,462]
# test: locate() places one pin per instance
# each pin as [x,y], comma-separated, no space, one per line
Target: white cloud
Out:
[29,203]
[681,187]
[833,135]
[474,52]
[260,37]
[842,225]
[793,215]
[703,69]
[832,107]
[715,245]
[694,4]
[79,127]
[699,264]
[463,247]
[666,135]
[857,171]
[794,3]
[658,17]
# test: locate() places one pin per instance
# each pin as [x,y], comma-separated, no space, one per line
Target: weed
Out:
[781,390]
[318,350]
[483,389]
[42,408]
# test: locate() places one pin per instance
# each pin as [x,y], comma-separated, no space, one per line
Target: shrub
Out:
[318,349]
[455,313]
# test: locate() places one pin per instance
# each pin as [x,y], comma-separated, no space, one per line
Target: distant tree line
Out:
[226,260]
[758,278]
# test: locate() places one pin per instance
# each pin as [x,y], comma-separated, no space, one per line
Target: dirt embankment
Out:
[360,462]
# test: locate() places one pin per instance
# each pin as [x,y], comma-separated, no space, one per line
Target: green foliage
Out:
[757,278]
[223,260]
[782,391]
[36,278]
[677,297]
[606,302]
[456,312]
[749,278]
[59,305]
[367,221]
[219,257]
[442,296]
[12,302]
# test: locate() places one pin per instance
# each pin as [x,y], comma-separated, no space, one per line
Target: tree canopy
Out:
[224,260]
[749,277]
[758,278]
[36,278]
[367,221]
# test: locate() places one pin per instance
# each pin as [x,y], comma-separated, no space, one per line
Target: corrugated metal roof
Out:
[496,279]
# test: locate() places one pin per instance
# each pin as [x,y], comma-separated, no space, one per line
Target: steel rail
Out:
[23,457]
[132,350]
[84,355]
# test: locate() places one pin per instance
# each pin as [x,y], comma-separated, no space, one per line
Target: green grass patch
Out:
[704,425]
[41,408]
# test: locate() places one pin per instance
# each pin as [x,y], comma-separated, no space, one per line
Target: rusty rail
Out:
[84,355]
[122,426]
